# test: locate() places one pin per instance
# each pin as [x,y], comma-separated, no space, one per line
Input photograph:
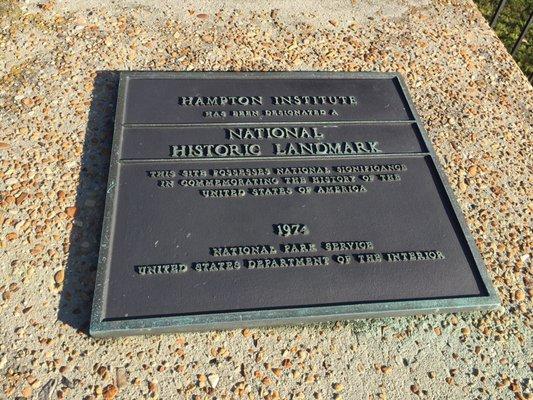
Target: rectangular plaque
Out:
[247,199]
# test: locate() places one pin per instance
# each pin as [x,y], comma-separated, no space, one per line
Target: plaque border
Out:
[99,327]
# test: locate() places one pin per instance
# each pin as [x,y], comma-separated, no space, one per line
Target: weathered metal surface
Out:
[225,209]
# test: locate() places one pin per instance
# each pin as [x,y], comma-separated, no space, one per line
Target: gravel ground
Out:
[58,85]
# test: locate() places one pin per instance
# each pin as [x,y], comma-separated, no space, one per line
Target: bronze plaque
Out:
[246,199]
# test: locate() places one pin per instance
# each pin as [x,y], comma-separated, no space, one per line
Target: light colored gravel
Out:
[57,62]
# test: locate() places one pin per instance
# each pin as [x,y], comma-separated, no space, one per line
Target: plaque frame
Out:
[99,327]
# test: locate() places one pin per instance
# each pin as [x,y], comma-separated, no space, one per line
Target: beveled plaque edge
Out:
[289,316]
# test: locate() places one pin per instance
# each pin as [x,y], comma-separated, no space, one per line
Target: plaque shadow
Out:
[76,296]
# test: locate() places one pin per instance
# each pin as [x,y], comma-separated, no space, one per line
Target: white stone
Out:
[213,380]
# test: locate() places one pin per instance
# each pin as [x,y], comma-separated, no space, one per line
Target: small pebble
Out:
[109,392]
[71,211]
[59,276]
[519,295]
[213,380]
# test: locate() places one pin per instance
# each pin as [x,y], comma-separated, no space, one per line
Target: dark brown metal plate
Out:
[225,209]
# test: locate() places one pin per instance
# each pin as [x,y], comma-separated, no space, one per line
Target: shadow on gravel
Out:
[76,298]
